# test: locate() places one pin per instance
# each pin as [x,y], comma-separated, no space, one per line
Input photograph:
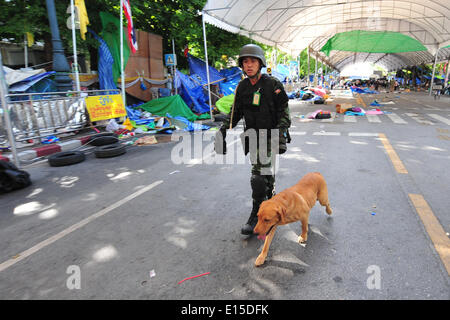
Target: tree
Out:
[175,19]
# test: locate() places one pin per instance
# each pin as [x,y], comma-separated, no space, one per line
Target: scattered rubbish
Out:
[375,103]
[49,140]
[147,140]
[160,122]
[200,275]
[323,115]
[152,273]
[374,111]
[112,126]
[230,291]
[176,171]
[373,213]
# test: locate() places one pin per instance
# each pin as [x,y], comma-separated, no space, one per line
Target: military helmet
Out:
[252,50]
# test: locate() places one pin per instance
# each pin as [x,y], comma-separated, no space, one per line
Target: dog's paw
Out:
[329,211]
[301,239]
[260,261]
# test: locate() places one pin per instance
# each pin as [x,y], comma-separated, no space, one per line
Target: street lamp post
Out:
[60,64]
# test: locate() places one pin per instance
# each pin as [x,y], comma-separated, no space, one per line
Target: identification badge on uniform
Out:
[256,98]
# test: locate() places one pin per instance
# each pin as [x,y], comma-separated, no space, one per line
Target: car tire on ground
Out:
[6,184]
[111,150]
[66,158]
[103,139]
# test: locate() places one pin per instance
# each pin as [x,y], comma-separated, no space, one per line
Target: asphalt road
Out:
[134,226]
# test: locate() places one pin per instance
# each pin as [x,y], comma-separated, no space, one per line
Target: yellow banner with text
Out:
[105,107]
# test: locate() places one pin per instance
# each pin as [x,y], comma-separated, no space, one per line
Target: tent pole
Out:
[447,73]
[4,102]
[434,70]
[174,66]
[307,73]
[122,75]
[74,41]
[315,73]
[207,67]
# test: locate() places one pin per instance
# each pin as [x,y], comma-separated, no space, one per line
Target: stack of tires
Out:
[107,145]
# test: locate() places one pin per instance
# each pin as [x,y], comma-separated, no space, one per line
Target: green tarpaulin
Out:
[173,105]
[224,103]
[111,34]
[372,41]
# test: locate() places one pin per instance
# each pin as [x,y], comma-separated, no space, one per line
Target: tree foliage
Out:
[172,19]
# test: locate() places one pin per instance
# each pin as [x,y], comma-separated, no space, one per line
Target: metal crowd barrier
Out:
[39,115]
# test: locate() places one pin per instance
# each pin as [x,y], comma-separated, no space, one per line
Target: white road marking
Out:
[297,133]
[323,133]
[75,227]
[362,134]
[440,118]
[373,118]
[396,119]
[349,118]
[416,117]
[427,106]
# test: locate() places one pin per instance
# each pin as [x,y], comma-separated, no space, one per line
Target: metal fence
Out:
[39,115]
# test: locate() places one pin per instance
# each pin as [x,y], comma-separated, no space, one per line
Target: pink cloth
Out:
[374,112]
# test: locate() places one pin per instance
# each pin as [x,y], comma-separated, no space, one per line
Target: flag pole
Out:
[207,66]
[174,66]
[121,55]
[74,41]
[26,51]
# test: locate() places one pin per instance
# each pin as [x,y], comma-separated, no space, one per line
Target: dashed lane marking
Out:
[398,164]
[396,119]
[440,118]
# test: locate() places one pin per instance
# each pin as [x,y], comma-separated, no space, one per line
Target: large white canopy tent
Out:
[293,25]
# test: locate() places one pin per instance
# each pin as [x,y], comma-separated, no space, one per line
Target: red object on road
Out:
[200,275]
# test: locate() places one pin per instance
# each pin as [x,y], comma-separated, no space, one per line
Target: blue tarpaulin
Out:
[232,78]
[275,74]
[192,93]
[198,67]
[105,64]
[31,84]
[193,87]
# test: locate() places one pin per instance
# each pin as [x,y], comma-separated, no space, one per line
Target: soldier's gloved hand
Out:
[220,144]
[283,140]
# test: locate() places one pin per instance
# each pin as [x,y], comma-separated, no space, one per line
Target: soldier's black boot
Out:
[259,192]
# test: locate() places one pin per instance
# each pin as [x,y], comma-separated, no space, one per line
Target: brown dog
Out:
[290,205]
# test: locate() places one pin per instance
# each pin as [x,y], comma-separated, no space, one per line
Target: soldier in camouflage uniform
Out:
[262,101]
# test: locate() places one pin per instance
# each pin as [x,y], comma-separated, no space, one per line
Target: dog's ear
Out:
[282,213]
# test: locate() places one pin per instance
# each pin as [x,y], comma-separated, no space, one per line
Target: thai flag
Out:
[131,32]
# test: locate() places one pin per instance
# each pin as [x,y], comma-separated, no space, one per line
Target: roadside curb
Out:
[42,151]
